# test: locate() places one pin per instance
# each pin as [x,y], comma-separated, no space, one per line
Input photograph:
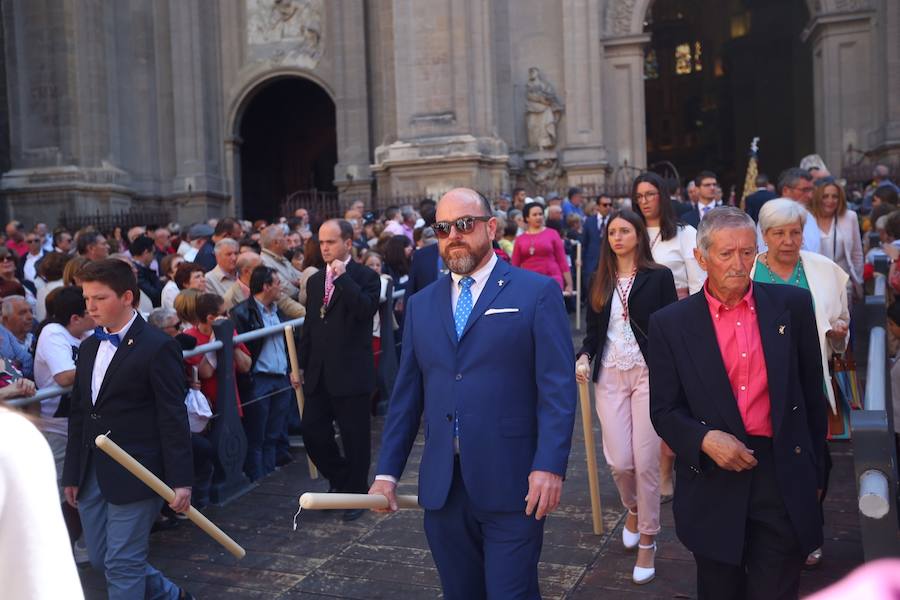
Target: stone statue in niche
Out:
[543,110]
[285,31]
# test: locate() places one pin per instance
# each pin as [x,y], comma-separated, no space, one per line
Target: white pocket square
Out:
[497,311]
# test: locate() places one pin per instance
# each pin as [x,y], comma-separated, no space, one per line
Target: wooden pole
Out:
[593,476]
[316,501]
[578,287]
[167,493]
[298,391]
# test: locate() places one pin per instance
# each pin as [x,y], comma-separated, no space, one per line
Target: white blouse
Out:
[621,350]
[678,255]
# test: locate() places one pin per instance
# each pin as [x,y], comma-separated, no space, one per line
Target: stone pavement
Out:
[387,556]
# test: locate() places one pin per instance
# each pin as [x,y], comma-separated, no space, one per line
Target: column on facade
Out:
[623,84]
[352,174]
[844,83]
[198,183]
[584,155]
[445,100]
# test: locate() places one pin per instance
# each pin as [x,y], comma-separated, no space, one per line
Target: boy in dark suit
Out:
[129,383]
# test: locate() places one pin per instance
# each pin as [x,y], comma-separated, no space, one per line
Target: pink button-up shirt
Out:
[737,331]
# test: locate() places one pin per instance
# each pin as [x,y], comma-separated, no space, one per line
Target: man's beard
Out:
[465,263]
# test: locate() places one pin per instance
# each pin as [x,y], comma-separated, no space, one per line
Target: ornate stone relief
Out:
[621,16]
[287,32]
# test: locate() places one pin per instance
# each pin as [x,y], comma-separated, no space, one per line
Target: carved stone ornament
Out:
[285,32]
[622,16]
[543,172]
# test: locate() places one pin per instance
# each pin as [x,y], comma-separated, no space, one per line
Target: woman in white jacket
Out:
[781,222]
[839,227]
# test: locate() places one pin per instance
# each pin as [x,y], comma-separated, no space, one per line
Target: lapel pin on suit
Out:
[781,330]
[500,282]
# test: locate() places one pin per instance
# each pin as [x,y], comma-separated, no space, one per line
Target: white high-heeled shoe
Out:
[630,539]
[642,575]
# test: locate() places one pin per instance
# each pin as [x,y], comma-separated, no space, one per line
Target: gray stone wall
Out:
[138,102]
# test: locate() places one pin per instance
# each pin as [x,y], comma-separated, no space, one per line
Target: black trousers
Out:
[772,556]
[350,472]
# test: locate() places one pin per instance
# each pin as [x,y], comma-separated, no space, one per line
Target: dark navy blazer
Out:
[510,381]
[690,394]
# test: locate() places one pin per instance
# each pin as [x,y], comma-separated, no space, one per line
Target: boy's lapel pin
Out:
[500,282]
[130,341]
[781,330]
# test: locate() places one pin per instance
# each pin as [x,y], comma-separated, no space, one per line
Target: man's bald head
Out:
[466,196]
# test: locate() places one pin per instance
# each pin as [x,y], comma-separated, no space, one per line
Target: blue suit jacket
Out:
[591,241]
[424,269]
[509,380]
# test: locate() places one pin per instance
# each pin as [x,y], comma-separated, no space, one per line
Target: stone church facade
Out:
[138,103]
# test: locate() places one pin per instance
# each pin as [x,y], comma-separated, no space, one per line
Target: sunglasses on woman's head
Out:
[463,225]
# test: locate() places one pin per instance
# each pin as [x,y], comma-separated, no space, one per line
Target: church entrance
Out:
[289,143]
[718,73]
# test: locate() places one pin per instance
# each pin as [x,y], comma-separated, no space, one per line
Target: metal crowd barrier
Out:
[226,432]
[874,452]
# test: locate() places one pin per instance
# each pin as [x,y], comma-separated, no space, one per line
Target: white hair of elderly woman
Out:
[723,217]
[780,212]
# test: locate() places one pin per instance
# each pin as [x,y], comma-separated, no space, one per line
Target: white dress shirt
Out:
[105,353]
[480,276]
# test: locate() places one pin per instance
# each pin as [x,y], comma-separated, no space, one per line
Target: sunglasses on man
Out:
[463,225]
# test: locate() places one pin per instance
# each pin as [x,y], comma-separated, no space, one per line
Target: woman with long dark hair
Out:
[627,287]
[672,242]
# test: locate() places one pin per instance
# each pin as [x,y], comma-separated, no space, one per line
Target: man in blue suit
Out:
[426,267]
[487,358]
[592,238]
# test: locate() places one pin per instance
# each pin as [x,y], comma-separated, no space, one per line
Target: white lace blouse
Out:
[621,350]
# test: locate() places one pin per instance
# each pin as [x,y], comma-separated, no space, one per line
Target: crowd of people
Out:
[639,255]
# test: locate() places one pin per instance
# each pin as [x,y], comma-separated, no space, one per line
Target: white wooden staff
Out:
[167,493]
[578,286]
[298,391]
[587,422]
[317,501]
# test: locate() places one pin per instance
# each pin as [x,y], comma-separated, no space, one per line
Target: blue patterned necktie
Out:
[463,305]
[112,338]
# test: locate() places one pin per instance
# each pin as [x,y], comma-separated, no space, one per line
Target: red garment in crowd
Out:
[20,248]
[542,253]
[209,386]
[740,344]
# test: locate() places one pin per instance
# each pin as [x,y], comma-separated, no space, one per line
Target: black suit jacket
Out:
[692,216]
[652,290]
[337,349]
[755,201]
[423,271]
[141,405]
[149,282]
[690,394]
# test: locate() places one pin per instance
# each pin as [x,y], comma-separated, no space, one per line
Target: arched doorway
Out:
[718,73]
[288,143]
